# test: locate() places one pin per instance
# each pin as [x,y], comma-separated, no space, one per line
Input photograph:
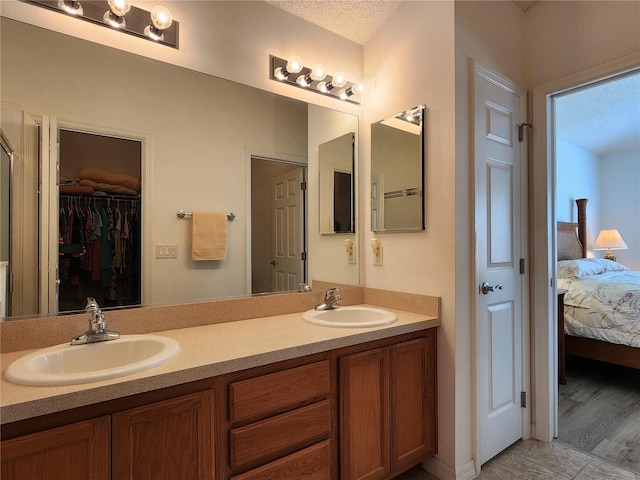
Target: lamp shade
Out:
[609,240]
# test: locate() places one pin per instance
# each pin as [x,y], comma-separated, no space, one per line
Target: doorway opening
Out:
[278,259]
[99,220]
[596,150]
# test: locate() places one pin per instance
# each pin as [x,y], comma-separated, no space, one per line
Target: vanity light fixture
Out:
[413,115]
[315,79]
[111,14]
[115,15]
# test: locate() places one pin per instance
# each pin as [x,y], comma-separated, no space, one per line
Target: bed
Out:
[601,304]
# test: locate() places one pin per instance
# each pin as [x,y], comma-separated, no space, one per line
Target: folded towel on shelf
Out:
[107,187]
[76,189]
[209,232]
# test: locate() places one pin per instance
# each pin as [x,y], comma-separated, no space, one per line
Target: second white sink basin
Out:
[350,317]
[74,364]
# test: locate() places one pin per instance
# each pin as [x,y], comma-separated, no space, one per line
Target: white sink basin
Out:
[350,317]
[73,364]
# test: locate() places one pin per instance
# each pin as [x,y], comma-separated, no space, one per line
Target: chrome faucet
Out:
[97,326]
[331,300]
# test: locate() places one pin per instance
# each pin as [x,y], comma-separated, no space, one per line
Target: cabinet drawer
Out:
[313,463]
[261,440]
[277,391]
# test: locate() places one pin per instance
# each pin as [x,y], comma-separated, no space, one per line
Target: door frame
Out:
[543,298]
[517,90]
[276,157]
[50,213]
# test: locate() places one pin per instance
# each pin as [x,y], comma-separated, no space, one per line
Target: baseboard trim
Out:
[442,471]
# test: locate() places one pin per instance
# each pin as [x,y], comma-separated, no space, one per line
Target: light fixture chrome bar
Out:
[137,19]
[353,96]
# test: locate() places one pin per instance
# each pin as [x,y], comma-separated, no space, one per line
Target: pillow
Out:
[583,267]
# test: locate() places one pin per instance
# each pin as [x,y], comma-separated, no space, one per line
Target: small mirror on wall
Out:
[336,162]
[397,172]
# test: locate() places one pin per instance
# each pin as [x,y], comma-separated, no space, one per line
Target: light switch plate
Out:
[352,256]
[164,250]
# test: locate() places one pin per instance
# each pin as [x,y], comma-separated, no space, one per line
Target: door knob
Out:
[273,262]
[485,288]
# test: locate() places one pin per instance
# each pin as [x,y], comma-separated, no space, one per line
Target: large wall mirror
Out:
[397,172]
[201,143]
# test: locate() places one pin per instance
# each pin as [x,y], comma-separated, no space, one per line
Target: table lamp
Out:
[609,240]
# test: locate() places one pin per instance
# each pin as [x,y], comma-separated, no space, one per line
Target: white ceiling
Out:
[603,119]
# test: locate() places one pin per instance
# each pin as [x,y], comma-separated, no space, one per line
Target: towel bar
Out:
[182,214]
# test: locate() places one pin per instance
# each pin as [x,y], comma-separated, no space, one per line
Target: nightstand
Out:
[561,355]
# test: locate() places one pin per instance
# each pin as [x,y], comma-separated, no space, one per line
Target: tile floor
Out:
[533,460]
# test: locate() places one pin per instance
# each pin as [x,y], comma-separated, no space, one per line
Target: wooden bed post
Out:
[582,224]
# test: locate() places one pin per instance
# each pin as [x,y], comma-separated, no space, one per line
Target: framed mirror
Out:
[397,172]
[336,163]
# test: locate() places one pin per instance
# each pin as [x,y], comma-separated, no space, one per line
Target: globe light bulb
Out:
[119,7]
[339,79]
[318,72]
[161,17]
[294,64]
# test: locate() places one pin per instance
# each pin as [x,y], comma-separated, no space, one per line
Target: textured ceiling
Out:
[603,119]
[355,20]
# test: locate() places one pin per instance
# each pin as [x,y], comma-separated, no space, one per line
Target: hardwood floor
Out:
[533,460]
[599,411]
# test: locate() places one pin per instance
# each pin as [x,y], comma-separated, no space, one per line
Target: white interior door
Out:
[288,222]
[499,313]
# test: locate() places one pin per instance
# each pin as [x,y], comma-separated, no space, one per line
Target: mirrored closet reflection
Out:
[99,220]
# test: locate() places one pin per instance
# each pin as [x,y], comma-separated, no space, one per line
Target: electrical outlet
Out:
[352,256]
[166,250]
[377,257]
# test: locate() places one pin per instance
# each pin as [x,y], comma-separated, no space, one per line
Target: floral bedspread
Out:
[603,307]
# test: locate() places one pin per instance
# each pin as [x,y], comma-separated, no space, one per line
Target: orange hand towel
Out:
[209,233]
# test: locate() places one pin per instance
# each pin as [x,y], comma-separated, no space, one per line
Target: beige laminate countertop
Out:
[205,352]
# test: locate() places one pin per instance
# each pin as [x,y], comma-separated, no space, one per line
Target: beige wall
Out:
[409,62]
[566,37]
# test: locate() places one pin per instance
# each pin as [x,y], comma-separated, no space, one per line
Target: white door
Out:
[287,226]
[498,222]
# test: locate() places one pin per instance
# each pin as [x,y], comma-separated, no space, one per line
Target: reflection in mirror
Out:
[336,183]
[397,172]
[196,154]
[5,225]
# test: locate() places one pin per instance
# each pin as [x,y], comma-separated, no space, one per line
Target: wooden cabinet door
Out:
[410,402]
[79,451]
[364,415]
[167,440]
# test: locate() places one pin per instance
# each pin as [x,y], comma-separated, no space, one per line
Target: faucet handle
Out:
[331,292]
[91,304]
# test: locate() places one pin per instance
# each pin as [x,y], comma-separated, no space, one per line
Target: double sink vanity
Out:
[286,395]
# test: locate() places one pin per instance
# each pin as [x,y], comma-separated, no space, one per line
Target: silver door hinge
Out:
[522,266]
[523,399]
[303,186]
[303,256]
[521,130]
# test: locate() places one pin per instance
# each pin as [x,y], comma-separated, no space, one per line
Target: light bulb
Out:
[119,7]
[70,6]
[323,87]
[161,17]
[279,73]
[343,94]
[318,72]
[339,79]
[357,87]
[294,65]
[303,80]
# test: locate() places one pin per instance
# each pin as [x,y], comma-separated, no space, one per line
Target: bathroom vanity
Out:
[270,397]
